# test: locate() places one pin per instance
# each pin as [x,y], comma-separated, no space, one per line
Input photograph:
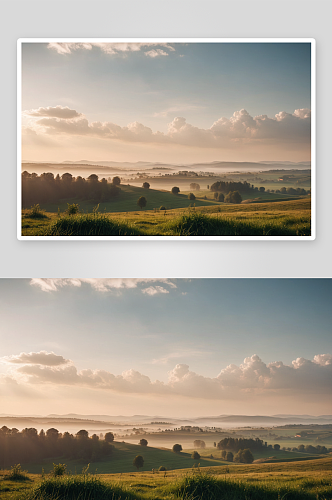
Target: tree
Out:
[233,197]
[229,456]
[116,180]
[146,185]
[196,455]
[191,196]
[244,457]
[141,202]
[221,197]
[215,195]
[276,447]
[175,190]
[177,448]
[83,434]
[262,189]
[93,178]
[143,442]
[194,185]
[199,443]
[138,461]
[109,437]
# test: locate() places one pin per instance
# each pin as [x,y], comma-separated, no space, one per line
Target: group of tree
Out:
[28,445]
[195,186]
[46,188]
[319,449]
[228,186]
[236,444]
[242,456]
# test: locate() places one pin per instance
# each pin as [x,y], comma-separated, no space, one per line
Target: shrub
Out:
[59,469]
[72,209]
[162,468]
[17,474]
[36,212]
[162,207]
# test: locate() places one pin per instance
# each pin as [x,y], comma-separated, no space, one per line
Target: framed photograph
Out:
[166,139]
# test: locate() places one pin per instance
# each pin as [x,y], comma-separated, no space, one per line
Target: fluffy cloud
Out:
[240,128]
[253,377]
[113,48]
[104,284]
[56,111]
[37,358]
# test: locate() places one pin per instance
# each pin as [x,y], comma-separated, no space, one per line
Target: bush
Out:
[162,468]
[177,448]
[175,190]
[72,209]
[191,196]
[59,469]
[17,474]
[36,212]
[162,207]
[196,455]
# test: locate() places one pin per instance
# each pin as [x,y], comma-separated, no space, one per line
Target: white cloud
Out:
[112,48]
[240,129]
[253,377]
[55,111]
[37,358]
[154,290]
[156,53]
[104,284]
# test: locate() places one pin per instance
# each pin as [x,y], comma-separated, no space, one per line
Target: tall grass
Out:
[79,487]
[202,486]
[93,224]
[198,224]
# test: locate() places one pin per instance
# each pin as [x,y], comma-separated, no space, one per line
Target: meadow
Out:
[278,218]
[308,480]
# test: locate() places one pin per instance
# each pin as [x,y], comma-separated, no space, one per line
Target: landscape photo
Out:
[165,389]
[166,138]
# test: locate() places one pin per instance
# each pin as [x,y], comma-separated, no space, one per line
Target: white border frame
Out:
[312,41]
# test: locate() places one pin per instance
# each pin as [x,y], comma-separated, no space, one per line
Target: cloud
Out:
[104,284]
[156,53]
[240,129]
[253,377]
[37,358]
[154,290]
[112,48]
[56,112]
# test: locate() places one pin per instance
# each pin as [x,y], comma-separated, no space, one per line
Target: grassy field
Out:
[291,217]
[308,480]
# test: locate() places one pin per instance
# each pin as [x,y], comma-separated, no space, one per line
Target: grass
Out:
[309,480]
[287,218]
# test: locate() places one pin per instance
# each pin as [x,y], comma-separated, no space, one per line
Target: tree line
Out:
[236,444]
[228,186]
[28,445]
[46,188]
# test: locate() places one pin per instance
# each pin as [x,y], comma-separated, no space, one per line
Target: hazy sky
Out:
[172,347]
[175,102]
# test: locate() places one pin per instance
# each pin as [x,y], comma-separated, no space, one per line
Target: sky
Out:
[166,102]
[166,347]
